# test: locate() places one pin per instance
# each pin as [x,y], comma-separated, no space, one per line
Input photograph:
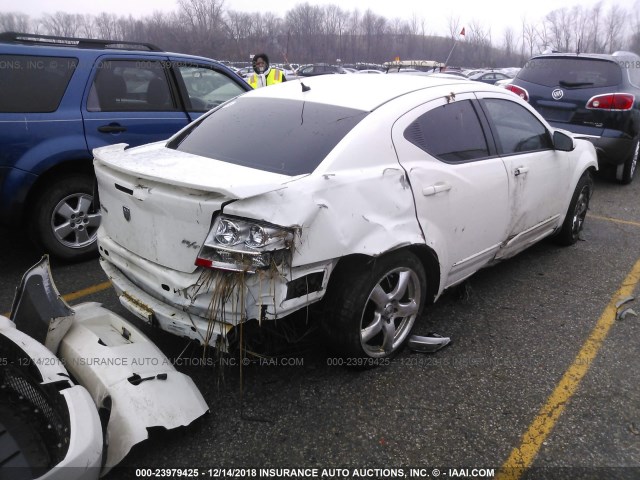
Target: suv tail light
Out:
[611,101]
[521,92]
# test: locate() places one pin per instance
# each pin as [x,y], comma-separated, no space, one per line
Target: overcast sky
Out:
[497,13]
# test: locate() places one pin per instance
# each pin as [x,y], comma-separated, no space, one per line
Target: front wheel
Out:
[63,222]
[574,220]
[371,310]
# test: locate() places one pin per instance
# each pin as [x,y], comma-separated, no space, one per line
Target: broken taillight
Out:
[244,245]
[521,92]
[611,101]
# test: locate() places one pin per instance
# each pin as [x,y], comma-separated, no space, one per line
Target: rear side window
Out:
[571,72]
[451,132]
[282,136]
[32,84]
[126,86]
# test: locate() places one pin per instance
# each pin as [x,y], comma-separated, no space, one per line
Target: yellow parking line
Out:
[615,220]
[522,457]
[69,297]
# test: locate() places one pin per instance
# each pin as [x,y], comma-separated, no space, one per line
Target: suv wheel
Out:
[63,222]
[631,164]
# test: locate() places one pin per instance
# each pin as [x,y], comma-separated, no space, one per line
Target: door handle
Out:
[436,188]
[112,128]
[520,171]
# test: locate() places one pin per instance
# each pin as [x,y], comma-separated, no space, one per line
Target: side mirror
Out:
[563,142]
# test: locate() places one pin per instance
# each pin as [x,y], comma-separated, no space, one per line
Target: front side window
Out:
[32,84]
[451,132]
[282,136]
[130,86]
[207,88]
[517,130]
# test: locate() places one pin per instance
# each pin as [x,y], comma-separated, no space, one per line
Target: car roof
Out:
[361,92]
[12,42]
[596,56]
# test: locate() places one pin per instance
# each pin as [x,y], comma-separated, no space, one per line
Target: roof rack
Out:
[52,40]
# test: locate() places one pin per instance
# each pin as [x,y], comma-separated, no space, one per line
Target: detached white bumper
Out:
[119,368]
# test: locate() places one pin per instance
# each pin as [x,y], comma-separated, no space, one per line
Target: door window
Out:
[517,130]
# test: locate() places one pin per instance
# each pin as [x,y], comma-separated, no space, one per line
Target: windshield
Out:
[290,137]
[571,72]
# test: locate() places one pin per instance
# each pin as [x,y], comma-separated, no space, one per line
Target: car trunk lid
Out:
[158,203]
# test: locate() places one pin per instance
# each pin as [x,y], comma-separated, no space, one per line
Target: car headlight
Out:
[244,245]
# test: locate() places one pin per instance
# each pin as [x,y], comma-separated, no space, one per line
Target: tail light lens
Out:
[244,245]
[612,101]
[521,92]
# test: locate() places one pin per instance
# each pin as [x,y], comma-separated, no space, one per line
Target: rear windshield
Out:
[282,136]
[571,72]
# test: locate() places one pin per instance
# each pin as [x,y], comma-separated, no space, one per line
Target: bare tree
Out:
[453,24]
[203,19]
[614,25]
[63,24]
[238,26]
[15,22]
[310,33]
[508,43]
[529,35]
[304,24]
[106,25]
[595,16]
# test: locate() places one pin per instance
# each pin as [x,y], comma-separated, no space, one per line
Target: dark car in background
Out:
[488,77]
[593,95]
[61,98]
[319,69]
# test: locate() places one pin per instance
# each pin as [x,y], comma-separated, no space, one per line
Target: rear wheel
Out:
[63,222]
[373,309]
[631,164]
[574,220]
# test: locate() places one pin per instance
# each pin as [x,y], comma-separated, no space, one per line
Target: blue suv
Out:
[63,97]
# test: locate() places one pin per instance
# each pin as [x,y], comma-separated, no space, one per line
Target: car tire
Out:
[577,211]
[63,224]
[631,164]
[372,307]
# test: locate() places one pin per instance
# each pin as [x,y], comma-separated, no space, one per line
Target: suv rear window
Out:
[571,72]
[32,84]
[282,136]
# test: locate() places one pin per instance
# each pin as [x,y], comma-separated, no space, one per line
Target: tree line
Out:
[310,33]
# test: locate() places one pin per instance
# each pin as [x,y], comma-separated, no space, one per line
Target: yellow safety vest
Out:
[274,76]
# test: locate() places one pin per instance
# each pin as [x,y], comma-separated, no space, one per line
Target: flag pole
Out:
[446,62]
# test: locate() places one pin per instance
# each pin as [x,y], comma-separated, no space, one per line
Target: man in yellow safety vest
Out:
[265,75]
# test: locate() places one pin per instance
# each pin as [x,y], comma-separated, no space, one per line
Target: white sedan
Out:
[366,196]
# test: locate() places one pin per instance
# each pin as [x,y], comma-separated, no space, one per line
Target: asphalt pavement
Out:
[540,377]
